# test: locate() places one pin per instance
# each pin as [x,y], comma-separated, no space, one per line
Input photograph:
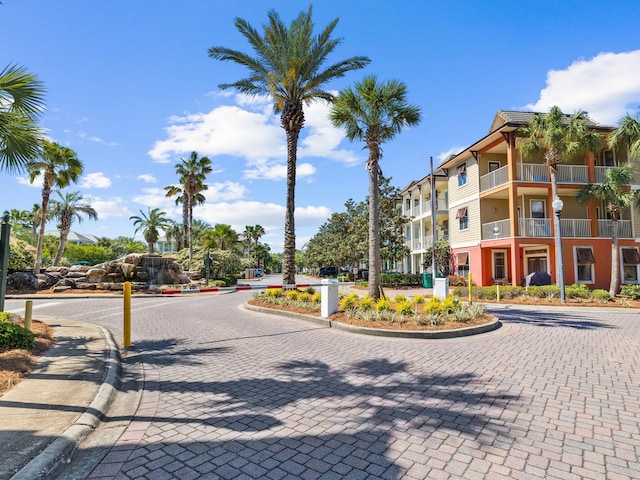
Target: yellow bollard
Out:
[28,312]
[127,314]
[498,292]
[470,289]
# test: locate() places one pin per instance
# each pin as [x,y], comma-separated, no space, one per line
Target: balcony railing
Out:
[495,230]
[624,228]
[534,227]
[575,227]
[494,179]
[572,174]
[538,172]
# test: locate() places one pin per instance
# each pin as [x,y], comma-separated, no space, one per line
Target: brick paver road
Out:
[234,394]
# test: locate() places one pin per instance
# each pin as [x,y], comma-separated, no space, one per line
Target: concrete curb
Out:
[494,324]
[58,452]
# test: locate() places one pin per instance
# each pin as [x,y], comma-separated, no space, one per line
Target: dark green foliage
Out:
[632,291]
[13,336]
[577,290]
[400,280]
[19,257]
[601,295]
[543,291]
[443,258]
[86,253]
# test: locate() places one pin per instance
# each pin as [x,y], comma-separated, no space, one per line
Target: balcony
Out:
[534,227]
[575,227]
[495,230]
[494,179]
[538,172]
[624,228]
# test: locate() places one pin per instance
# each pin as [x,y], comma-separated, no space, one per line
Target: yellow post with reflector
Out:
[127,314]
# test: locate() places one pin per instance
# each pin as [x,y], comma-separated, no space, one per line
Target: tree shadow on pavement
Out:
[548,318]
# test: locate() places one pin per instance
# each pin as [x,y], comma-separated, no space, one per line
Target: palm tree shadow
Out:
[543,318]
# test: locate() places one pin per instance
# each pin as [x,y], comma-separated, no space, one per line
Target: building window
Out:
[584,264]
[499,265]
[462,175]
[407,204]
[493,166]
[630,264]
[463,218]
[538,209]
[608,159]
[462,264]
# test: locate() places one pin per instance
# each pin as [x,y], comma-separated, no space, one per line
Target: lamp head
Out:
[557,204]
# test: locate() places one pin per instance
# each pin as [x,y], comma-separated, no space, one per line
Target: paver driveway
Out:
[234,394]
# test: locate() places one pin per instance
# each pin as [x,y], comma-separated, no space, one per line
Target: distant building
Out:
[76,238]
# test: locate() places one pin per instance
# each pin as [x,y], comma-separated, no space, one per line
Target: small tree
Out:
[443,258]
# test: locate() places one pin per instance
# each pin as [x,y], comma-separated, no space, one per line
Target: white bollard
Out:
[329,297]
[441,287]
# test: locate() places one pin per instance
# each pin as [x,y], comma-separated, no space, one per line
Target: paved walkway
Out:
[554,394]
[240,395]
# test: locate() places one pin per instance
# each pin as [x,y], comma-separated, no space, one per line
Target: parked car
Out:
[328,272]
[258,272]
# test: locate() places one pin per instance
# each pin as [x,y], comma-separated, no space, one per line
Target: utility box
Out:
[441,287]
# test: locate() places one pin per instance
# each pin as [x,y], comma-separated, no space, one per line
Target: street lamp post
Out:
[557,205]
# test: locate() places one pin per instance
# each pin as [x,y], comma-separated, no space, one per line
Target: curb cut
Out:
[59,452]
[494,324]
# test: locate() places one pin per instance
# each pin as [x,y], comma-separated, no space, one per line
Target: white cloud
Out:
[147,178]
[264,169]
[95,180]
[37,182]
[112,207]
[250,130]
[322,138]
[156,198]
[445,155]
[269,215]
[606,86]
[224,191]
[225,130]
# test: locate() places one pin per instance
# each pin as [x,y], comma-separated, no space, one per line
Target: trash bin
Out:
[365,275]
[427,280]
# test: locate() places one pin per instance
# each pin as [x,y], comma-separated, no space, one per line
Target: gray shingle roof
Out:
[522,118]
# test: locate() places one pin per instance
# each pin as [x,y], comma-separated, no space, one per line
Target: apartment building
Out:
[498,214]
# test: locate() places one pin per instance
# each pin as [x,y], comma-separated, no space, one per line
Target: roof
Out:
[75,237]
[516,118]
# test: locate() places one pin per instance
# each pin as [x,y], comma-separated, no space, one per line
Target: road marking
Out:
[35,306]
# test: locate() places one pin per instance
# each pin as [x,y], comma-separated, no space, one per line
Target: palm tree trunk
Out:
[64,234]
[190,225]
[289,257]
[374,225]
[613,286]
[46,193]
[553,169]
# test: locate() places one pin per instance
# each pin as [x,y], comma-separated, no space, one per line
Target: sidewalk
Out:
[44,418]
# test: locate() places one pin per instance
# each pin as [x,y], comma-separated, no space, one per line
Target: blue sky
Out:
[131,89]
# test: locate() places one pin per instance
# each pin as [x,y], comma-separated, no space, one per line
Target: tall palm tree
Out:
[69,208]
[193,173]
[627,134]
[21,103]
[289,66]
[59,167]
[615,194]
[558,137]
[261,253]
[258,232]
[247,237]
[150,224]
[375,113]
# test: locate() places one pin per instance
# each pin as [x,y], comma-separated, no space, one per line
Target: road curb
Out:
[494,324]
[58,453]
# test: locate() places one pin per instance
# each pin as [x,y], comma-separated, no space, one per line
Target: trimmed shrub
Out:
[630,290]
[13,336]
[400,280]
[366,303]
[577,290]
[600,295]
[419,299]
[383,305]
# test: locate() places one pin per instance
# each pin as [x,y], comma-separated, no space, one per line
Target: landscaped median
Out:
[398,317]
